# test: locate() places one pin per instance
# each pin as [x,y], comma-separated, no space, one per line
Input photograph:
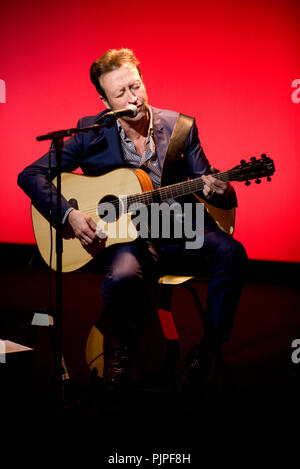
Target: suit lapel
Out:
[114,156]
[112,135]
[161,136]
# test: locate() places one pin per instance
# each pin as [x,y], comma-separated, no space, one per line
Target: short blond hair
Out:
[111,60]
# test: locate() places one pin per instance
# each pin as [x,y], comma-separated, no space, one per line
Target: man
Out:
[132,269]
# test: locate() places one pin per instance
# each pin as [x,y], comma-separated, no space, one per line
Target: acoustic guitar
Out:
[125,190]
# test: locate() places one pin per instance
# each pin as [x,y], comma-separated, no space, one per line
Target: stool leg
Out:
[206,320]
[168,373]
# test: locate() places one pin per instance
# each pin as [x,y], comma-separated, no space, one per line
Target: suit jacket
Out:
[97,154]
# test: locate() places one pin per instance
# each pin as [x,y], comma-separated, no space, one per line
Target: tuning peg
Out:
[258,181]
[269,179]
[253,158]
[263,155]
[247,183]
[243,161]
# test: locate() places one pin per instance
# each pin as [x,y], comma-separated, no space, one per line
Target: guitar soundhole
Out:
[74,203]
[109,208]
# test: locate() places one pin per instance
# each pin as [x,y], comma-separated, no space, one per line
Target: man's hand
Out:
[213,185]
[84,227]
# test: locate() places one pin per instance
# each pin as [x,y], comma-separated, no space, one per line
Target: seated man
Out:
[132,269]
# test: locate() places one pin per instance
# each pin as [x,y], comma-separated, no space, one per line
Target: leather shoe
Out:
[197,365]
[116,368]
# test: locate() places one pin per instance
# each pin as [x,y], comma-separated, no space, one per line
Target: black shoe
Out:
[197,365]
[116,371]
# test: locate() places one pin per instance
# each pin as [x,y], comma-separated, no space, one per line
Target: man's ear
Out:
[105,102]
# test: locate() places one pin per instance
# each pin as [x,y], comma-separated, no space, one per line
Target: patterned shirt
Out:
[148,162]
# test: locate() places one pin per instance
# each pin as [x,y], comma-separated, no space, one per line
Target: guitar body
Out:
[225,219]
[87,191]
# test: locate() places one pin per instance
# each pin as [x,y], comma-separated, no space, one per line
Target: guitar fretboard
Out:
[172,191]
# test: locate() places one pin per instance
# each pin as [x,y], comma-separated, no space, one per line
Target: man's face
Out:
[122,87]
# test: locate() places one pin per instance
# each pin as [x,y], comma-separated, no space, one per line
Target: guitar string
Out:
[176,190]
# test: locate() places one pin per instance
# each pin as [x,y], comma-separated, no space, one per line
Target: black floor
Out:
[263,383]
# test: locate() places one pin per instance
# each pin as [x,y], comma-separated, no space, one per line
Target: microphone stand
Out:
[57,138]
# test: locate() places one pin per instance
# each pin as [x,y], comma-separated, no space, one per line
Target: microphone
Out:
[130,111]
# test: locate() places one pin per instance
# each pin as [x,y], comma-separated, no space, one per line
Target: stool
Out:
[168,373]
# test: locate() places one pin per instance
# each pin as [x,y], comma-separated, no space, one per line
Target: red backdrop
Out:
[231,64]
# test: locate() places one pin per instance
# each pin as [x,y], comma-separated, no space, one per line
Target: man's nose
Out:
[132,98]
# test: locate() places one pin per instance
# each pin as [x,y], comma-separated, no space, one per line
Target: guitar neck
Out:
[174,190]
[255,169]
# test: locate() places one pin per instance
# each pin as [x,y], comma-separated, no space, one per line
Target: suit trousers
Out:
[132,271]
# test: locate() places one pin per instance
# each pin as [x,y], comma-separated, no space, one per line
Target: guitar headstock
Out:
[254,169]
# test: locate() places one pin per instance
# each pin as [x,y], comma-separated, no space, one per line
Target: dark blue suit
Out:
[132,269]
